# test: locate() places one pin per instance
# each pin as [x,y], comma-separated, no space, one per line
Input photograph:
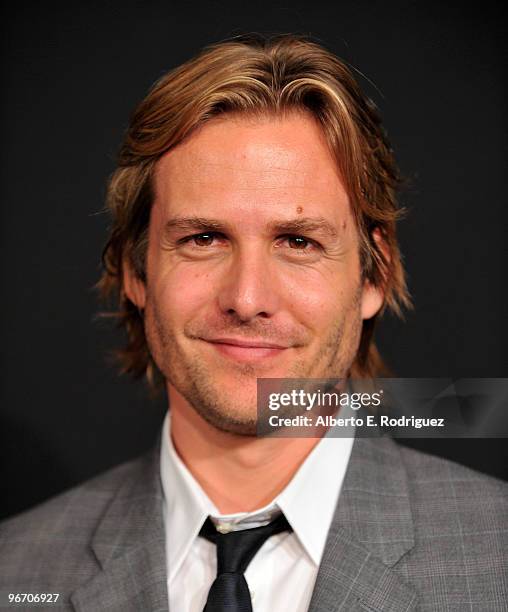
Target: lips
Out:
[244,342]
[244,349]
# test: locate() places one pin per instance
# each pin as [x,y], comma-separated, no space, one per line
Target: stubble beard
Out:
[194,380]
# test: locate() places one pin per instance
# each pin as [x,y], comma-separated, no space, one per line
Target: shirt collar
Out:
[186,505]
[308,501]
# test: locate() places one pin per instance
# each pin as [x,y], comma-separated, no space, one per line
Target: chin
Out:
[232,422]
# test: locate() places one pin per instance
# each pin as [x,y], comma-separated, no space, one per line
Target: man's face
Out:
[252,267]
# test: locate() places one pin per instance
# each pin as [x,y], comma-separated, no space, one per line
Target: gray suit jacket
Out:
[410,532]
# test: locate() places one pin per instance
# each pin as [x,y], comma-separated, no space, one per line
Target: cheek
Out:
[178,294]
[321,299]
[314,305]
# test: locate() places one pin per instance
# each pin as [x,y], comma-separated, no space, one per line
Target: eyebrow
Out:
[192,224]
[304,226]
[292,226]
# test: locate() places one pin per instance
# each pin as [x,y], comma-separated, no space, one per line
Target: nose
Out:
[248,288]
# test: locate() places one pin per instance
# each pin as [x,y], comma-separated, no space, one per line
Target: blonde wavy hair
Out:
[257,76]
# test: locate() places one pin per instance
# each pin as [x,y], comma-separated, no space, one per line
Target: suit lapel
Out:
[130,547]
[371,530]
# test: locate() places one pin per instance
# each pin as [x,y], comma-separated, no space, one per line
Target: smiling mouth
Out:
[246,350]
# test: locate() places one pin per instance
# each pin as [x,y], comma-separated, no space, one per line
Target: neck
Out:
[238,473]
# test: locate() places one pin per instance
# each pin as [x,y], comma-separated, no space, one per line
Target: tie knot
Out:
[236,549]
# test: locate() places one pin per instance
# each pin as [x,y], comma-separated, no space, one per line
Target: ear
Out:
[373,297]
[133,286]
[372,300]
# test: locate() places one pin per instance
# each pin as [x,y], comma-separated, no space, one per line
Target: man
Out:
[254,237]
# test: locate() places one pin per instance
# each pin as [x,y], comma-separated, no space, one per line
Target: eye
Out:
[204,239]
[298,242]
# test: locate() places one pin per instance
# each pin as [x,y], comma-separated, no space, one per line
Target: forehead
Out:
[263,166]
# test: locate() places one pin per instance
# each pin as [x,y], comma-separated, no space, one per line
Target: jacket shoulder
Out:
[57,533]
[460,519]
[444,477]
[82,504]
[450,497]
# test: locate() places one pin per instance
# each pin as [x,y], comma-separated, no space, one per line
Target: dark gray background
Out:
[71,74]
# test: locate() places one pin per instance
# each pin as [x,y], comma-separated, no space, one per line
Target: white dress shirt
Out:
[282,574]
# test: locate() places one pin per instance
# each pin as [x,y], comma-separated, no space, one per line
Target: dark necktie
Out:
[235,550]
